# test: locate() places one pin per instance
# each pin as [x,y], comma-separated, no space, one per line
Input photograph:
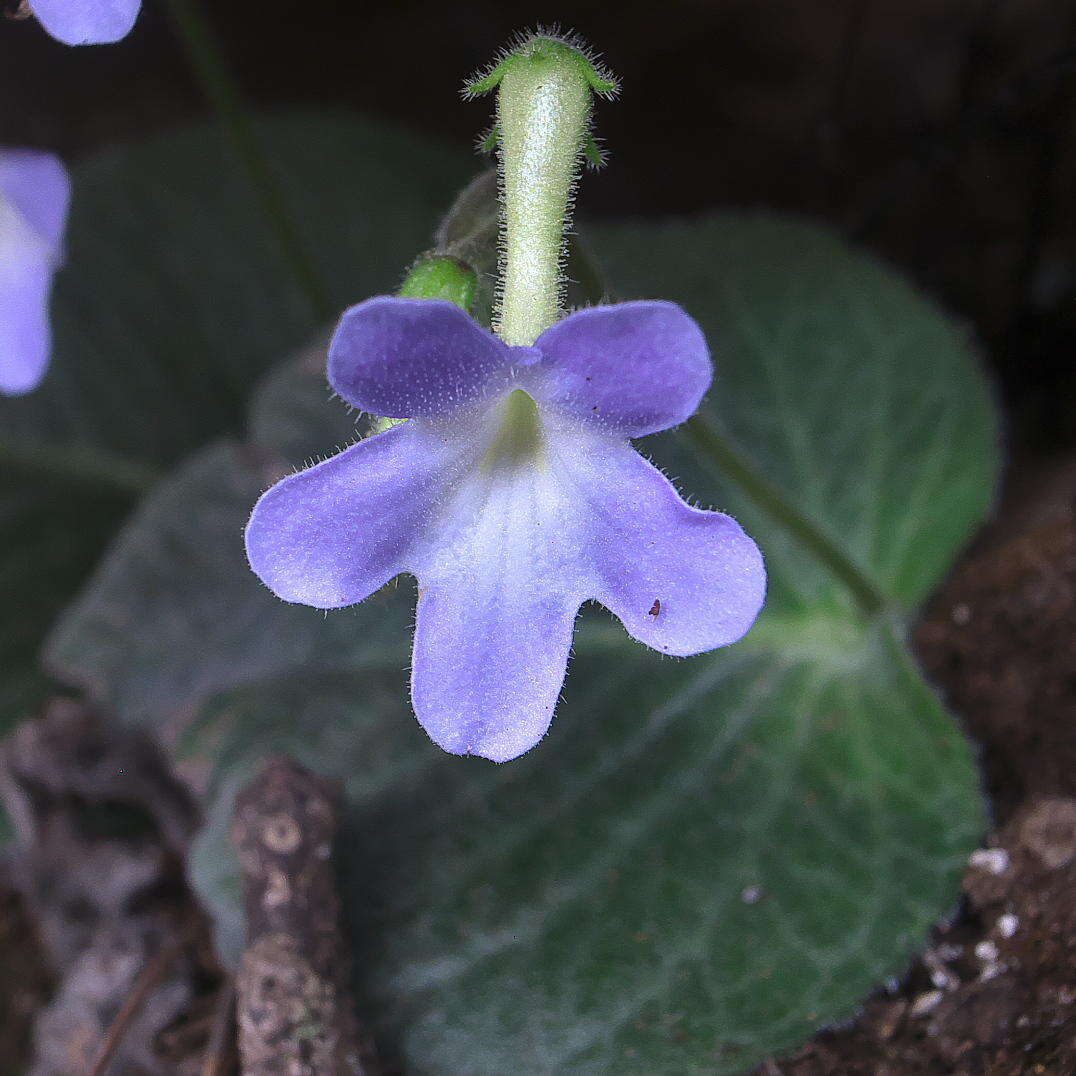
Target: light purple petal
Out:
[680,579]
[634,368]
[332,535]
[25,339]
[489,662]
[499,587]
[519,544]
[405,357]
[34,194]
[87,22]
[37,186]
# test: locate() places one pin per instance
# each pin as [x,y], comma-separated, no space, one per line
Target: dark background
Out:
[937,132]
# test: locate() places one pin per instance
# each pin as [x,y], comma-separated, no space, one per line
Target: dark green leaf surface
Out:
[175,615]
[705,859]
[174,299]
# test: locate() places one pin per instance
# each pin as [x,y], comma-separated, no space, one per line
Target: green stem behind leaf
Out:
[204,53]
[742,471]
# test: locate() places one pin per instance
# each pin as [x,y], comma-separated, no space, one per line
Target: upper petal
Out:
[332,535]
[680,579]
[87,22]
[405,357]
[634,368]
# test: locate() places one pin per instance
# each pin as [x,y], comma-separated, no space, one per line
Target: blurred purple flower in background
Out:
[34,196]
[87,22]
[513,496]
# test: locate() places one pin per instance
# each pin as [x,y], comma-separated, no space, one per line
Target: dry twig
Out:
[293,1005]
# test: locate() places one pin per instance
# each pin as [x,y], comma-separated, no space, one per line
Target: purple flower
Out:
[513,496]
[86,22]
[34,195]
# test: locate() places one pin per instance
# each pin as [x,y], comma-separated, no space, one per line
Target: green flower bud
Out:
[440,276]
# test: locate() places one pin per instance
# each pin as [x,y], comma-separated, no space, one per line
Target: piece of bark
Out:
[294,1007]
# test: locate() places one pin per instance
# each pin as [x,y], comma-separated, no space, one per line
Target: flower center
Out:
[518,438]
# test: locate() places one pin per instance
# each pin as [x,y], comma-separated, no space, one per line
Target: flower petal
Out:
[499,588]
[25,338]
[332,535]
[635,368]
[405,357]
[489,663]
[34,193]
[680,579]
[87,22]
[37,186]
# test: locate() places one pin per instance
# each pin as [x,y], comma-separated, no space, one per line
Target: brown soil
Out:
[1001,642]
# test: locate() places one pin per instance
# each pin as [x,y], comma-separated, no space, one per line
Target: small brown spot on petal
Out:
[655,608]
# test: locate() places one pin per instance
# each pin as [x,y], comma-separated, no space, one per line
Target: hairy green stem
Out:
[206,58]
[543,112]
[740,470]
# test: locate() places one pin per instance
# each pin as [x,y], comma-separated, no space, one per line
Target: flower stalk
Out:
[542,133]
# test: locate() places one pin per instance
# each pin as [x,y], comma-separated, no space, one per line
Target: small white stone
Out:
[994,860]
[925,1002]
[1008,925]
[986,951]
[940,975]
[961,614]
[752,894]
[947,952]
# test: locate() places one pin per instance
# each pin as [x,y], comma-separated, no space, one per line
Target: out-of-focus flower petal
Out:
[332,535]
[680,579]
[634,368]
[34,195]
[87,22]
[499,588]
[25,340]
[405,357]
[39,189]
